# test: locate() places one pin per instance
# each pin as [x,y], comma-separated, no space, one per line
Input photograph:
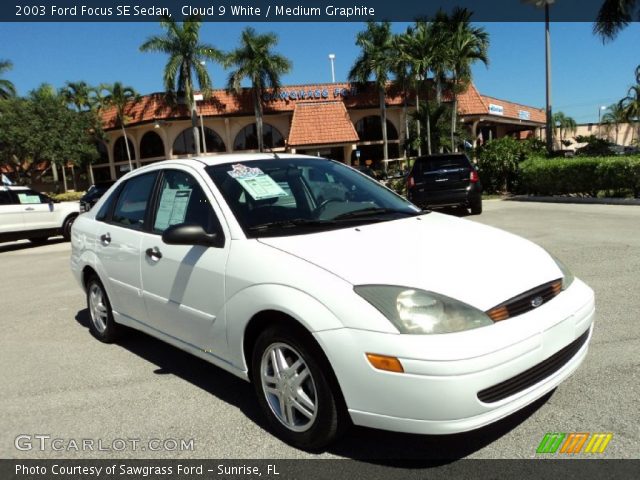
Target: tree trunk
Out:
[383,112]
[454,113]
[428,118]
[194,127]
[405,112]
[257,107]
[126,144]
[418,127]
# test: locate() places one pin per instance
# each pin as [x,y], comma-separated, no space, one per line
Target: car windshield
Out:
[294,196]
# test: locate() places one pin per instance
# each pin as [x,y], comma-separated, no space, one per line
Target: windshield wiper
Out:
[296,222]
[372,212]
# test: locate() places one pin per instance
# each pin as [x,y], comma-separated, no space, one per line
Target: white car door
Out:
[39,211]
[184,284]
[11,213]
[118,245]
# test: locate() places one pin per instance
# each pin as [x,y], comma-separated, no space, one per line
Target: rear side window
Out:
[132,202]
[453,162]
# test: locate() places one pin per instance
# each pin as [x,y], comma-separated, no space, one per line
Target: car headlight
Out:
[567,276]
[416,311]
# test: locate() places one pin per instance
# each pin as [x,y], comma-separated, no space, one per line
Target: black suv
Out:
[91,197]
[443,181]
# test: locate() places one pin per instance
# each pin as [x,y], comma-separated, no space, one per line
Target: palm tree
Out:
[614,16]
[7,89]
[415,49]
[614,116]
[78,94]
[375,61]
[631,106]
[564,124]
[187,57]
[119,97]
[466,45]
[255,60]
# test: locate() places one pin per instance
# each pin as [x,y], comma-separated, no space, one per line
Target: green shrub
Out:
[580,175]
[499,160]
[68,196]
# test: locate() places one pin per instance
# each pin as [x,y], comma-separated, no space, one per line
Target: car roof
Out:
[15,187]
[226,158]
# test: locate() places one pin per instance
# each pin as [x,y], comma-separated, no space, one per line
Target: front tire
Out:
[66,227]
[294,391]
[101,323]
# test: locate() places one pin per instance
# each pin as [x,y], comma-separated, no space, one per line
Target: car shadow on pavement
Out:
[15,246]
[363,444]
[173,361]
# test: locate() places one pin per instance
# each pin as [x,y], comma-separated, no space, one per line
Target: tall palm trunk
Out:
[405,113]
[126,144]
[429,151]
[418,126]
[257,107]
[385,143]
[194,127]
[454,112]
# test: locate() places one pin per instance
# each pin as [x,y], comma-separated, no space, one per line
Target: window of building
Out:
[151,145]
[120,150]
[370,129]
[184,143]
[102,152]
[247,138]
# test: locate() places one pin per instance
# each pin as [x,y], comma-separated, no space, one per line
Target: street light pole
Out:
[547,39]
[602,107]
[332,57]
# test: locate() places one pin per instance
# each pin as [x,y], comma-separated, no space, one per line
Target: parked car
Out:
[444,181]
[93,194]
[27,214]
[261,264]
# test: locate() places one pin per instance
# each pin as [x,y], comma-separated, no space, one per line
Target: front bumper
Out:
[438,392]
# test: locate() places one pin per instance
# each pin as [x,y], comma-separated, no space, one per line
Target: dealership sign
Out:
[496,109]
[524,115]
[319,93]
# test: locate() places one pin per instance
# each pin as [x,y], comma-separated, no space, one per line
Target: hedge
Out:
[68,196]
[580,175]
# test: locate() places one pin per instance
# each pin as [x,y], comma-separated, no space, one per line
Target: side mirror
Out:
[191,234]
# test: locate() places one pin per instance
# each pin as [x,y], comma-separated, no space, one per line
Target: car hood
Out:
[477,264]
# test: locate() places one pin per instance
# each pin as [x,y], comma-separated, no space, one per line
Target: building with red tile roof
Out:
[335,120]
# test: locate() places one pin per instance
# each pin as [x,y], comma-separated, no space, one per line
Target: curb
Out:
[578,200]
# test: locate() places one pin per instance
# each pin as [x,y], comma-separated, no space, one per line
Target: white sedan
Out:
[277,269]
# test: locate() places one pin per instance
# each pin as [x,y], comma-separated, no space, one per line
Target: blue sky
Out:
[586,73]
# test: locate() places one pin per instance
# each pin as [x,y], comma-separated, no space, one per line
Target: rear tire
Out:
[476,207]
[294,391]
[101,323]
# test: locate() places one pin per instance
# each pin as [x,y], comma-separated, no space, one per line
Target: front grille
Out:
[525,302]
[535,374]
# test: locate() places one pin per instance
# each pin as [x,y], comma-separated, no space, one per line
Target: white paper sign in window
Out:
[257,183]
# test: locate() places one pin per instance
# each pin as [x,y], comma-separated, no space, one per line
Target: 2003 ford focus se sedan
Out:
[278,269]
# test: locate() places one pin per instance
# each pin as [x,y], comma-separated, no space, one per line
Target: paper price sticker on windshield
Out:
[257,183]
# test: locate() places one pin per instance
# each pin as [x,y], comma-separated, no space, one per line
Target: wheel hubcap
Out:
[289,387]
[97,308]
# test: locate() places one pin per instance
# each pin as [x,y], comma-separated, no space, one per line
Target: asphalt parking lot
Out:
[59,381]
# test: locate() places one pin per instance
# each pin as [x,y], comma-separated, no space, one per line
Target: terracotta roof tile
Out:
[321,123]
[222,103]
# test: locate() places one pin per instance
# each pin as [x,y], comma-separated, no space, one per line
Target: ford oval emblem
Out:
[537,301]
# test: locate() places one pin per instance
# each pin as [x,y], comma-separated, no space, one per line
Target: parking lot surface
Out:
[60,382]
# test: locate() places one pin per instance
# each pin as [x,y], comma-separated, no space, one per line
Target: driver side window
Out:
[182,200]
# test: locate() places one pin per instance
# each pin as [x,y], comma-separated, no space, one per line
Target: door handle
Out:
[153,253]
[105,239]
[29,209]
